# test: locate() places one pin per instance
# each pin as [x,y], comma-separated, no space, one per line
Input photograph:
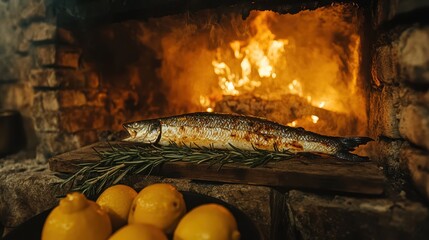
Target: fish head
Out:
[146,131]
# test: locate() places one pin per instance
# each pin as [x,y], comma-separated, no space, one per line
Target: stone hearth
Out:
[26,187]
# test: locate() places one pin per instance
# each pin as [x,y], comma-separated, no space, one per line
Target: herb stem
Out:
[119,161]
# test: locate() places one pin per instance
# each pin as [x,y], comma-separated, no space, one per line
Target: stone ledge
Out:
[338,217]
[26,189]
[27,192]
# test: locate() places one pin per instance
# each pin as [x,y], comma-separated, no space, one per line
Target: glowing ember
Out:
[292,124]
[314,118]
[295,88]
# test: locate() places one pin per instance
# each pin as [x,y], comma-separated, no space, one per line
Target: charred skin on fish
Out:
[244,132]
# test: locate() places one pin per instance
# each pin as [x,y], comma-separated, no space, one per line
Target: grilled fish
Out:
[244,132]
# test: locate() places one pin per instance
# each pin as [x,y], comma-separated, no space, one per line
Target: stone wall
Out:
[399,97]
[42,76]
[19,27]
[67,104]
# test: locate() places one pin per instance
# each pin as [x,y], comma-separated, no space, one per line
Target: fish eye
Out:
[135,124]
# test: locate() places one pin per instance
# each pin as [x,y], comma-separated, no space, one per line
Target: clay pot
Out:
[12,137]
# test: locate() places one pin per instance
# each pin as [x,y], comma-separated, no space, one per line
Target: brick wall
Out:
[42,76]
[23,24]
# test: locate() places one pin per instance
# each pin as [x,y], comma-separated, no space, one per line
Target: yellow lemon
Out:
[77,218]
[209,222]
[116,201]
[160,205]
[139,231]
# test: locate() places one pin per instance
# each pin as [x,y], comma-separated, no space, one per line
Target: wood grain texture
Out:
[318,173]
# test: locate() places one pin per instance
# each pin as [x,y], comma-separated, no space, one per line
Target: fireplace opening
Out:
[301,70]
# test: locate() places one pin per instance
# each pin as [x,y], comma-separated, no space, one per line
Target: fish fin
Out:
[350,143]
[350,157]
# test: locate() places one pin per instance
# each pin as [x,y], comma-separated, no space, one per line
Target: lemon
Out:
[77,218]
[158,204]
[116,201]
[209,222]
[139,231]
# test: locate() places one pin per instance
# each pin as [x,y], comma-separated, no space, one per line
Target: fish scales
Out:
[244,132]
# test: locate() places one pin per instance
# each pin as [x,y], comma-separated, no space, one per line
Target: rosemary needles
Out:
[120,161]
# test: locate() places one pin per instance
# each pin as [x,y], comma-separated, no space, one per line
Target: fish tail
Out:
[350,144]
[350,156]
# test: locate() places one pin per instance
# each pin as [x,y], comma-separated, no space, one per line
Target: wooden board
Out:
[320,173]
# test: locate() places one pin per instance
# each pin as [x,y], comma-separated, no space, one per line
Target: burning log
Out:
[291,110]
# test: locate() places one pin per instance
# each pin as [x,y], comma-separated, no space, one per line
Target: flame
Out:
[235,45]
[295,87]
[307,64]
[258,55]
[204,101]
[225,78]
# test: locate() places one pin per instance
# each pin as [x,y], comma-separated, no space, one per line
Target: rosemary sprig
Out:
[120,161]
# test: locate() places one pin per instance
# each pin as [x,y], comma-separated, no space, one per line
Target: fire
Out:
[257,55]
[290,68]
[295,87]
[292,124]
[279,56]
[266,61]
[314,118]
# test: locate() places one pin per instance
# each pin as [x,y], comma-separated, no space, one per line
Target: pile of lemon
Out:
[120,213]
